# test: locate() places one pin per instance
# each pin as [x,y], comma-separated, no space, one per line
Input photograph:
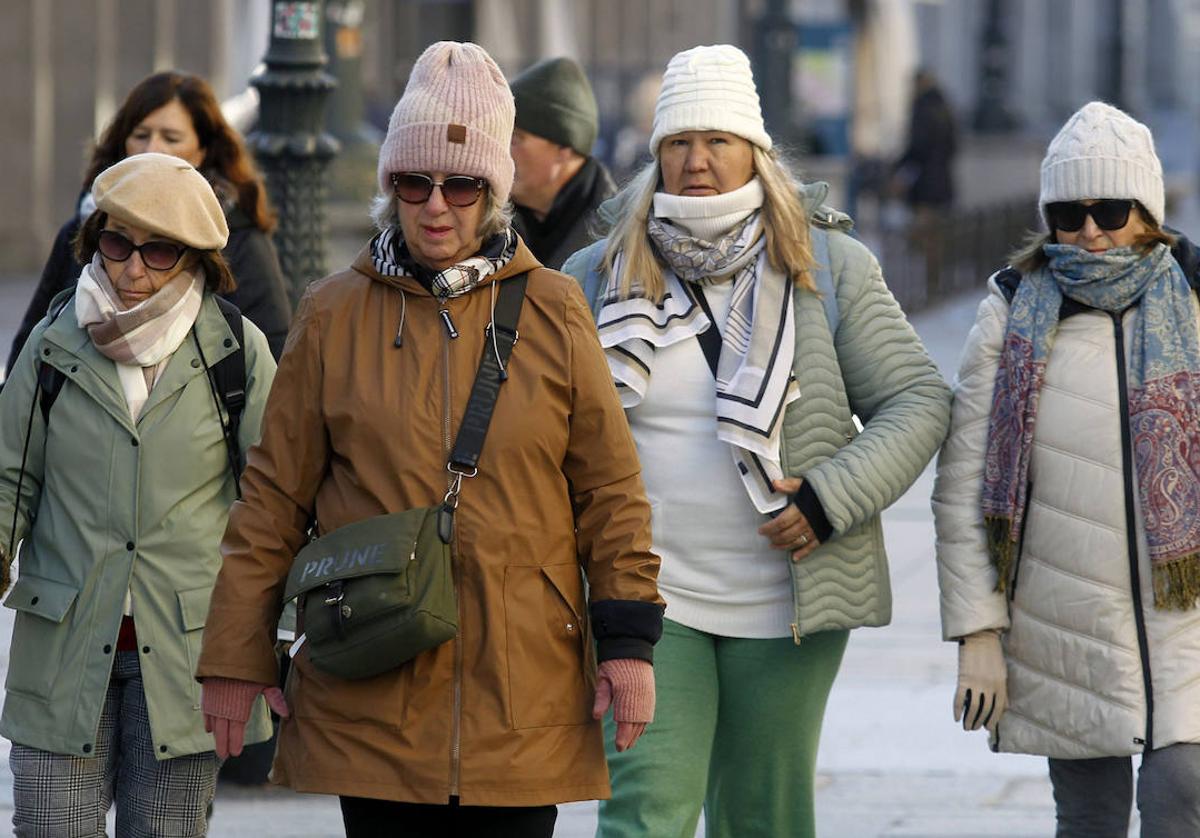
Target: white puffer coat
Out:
[1094,669]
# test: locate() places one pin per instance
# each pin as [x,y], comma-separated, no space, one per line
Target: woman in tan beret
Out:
[117,469]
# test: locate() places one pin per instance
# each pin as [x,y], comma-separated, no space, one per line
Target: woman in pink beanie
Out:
[486,732]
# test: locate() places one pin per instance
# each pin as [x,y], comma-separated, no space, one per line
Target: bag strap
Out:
[501,336]
[229,377]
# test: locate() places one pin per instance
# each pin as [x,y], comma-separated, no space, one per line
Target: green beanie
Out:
[555,101]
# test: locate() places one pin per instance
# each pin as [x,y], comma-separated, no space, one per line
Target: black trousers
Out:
[365,817]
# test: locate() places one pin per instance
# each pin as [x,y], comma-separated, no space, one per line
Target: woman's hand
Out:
[226,704]
[790,530]
[628,685]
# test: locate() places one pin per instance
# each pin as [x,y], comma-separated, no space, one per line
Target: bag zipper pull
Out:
[445,523]
[449,324]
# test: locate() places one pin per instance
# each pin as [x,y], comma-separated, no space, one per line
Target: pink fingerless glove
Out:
[628,685]
[226,705]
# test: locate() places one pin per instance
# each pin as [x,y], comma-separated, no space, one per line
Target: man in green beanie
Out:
[558,183]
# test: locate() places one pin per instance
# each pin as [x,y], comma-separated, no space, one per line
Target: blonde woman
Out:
[745,329]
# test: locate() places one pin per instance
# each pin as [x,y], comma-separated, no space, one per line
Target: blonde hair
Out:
[785,223]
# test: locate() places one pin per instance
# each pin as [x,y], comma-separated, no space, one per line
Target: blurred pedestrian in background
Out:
[482,734]
[558,184]
[178,113]
[117,469]
[745,330]
[924,174]
[1067,500]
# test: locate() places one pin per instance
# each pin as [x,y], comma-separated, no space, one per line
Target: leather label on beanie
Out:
[456,133]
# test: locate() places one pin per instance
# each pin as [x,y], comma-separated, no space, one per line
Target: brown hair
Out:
[217,277]
[224,152]
[1029,256]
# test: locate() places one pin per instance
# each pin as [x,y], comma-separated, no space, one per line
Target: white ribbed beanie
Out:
[1103,152]
[709,89]
[456,116]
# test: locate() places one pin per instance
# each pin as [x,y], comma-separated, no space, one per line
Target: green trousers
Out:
[735,731]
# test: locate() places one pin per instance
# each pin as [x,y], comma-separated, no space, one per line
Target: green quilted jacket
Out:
[863,361]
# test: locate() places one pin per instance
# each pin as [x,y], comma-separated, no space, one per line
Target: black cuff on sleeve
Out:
[809,504]
[626,628]
[614,648]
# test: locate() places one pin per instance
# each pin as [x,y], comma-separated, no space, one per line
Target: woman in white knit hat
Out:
[118,463]
[376,396]
[745,329]
[1068,495]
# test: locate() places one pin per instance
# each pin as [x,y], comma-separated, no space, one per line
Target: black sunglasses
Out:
[156,255]
[1069,216]
[458,190]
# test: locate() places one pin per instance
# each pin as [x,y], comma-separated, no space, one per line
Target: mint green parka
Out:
[109,506]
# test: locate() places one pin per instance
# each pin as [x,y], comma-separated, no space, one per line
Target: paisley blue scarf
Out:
[1164,403]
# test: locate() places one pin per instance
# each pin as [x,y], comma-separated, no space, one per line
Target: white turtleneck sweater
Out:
[718,574]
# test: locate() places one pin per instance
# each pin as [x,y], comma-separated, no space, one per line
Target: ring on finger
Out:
[803,540]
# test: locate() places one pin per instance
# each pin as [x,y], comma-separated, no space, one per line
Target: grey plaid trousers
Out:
[65,796]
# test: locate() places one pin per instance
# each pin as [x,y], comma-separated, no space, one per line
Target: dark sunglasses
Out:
[1069,216]
[156,255]
[458,190]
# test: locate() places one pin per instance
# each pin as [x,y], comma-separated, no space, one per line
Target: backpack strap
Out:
[50,379]
[229,377]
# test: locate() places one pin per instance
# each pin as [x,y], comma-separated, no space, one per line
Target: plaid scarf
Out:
[142,338]
[391,258]
[754,380]
[1164,403]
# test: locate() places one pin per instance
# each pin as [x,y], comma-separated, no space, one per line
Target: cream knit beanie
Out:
[709,89]
[1103,152]
[456,116]
[164,195]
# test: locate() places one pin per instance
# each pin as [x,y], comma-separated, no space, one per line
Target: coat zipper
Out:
[1131,529]
[449,334]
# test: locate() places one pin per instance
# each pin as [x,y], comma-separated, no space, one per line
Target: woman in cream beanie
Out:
[1067,499]
[743,327]
[118,465]
[487,732]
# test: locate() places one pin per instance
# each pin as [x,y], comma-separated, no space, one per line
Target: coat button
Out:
[108,648]
[134,443]
[46,352]
[33,601]
[75,368]
[196,363]
[145,650]
[87,749]
[228,342]
[162,749]
[128,545]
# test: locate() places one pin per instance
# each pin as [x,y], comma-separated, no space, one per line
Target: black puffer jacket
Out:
[261,294]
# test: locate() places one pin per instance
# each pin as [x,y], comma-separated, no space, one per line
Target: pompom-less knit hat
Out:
[709,89]
[1103,152]
[456,116]
[164,195]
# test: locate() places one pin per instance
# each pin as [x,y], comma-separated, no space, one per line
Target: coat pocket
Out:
[193,614]
[39,636]
[548,682]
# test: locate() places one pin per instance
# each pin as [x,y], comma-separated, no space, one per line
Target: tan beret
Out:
[165,195]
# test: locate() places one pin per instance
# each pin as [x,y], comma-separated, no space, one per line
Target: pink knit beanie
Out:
[456,116]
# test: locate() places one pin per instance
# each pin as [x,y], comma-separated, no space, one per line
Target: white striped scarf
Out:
[754,380]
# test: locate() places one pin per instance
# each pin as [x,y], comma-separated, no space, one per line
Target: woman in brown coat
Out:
[484,733]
